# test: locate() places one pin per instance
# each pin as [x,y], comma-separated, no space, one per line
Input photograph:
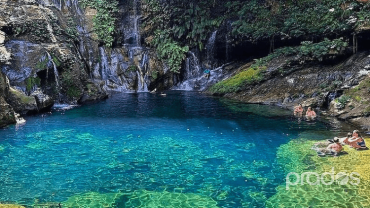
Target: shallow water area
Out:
[141,150]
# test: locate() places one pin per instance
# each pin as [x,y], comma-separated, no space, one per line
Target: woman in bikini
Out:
[356,141]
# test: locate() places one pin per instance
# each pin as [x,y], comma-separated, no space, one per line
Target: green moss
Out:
[41,65]
[132,68]
[154,74]
[367,110]
[23,98]
[237,82]
[56,61]
[70,86]
[32,81]
[73,92]
[359,92]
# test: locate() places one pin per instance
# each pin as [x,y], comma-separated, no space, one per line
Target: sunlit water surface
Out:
[185,143]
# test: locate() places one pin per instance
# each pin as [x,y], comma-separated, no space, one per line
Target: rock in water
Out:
[6,113]
[43,101]
[21,103]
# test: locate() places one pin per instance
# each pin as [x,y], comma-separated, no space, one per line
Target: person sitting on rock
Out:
[207,73]
[356,141]
[298,110]
[310,114]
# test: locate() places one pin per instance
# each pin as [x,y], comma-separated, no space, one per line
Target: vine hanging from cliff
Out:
[105,19]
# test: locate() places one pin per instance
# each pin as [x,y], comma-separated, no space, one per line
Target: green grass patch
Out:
[237,82]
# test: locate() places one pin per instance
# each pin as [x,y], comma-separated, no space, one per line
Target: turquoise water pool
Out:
[148,149]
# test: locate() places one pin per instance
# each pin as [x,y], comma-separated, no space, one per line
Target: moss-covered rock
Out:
[21,102]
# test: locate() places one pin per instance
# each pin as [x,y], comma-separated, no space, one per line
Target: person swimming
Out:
[310,114]
[298,111]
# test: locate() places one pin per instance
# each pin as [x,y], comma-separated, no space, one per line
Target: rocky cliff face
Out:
[339,89]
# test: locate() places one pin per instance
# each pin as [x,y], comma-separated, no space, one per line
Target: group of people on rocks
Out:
[335,146]
[310,114]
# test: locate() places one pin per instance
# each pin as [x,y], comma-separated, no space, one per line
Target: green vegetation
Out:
[174,26]
[72,30]
[154,74]
[170,50]
[105,19]
[297,19]
[56,61]
[307,51]
[24,99]
[360,91]
[70,85]
[31,82]
[342,101]
[132,68]
[237,82]
[37,30]
[41,65]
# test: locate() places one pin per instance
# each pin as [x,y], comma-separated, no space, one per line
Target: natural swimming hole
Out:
[144,150]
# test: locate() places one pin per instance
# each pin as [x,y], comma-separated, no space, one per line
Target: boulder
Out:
[92,93]
[43,101]
[21,103]
[7,115]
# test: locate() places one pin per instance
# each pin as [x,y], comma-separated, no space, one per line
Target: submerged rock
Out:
[94,200]
[11,206]
[147,199]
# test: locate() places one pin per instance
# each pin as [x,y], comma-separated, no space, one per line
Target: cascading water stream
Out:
[56,73]
[56,76]
[211,49]
[195,64]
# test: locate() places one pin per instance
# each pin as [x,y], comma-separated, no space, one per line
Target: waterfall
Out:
[56,74]
[211,48]
[195,63]
[132,29]
[136,23]
[142,86]
[104,64]
[187,68]
[227,40]
[144,61]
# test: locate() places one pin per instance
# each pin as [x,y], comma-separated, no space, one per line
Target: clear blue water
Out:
[185,142]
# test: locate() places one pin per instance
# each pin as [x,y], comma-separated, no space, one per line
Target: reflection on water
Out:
[141,150]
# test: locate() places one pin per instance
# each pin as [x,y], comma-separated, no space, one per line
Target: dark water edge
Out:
[185,141]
